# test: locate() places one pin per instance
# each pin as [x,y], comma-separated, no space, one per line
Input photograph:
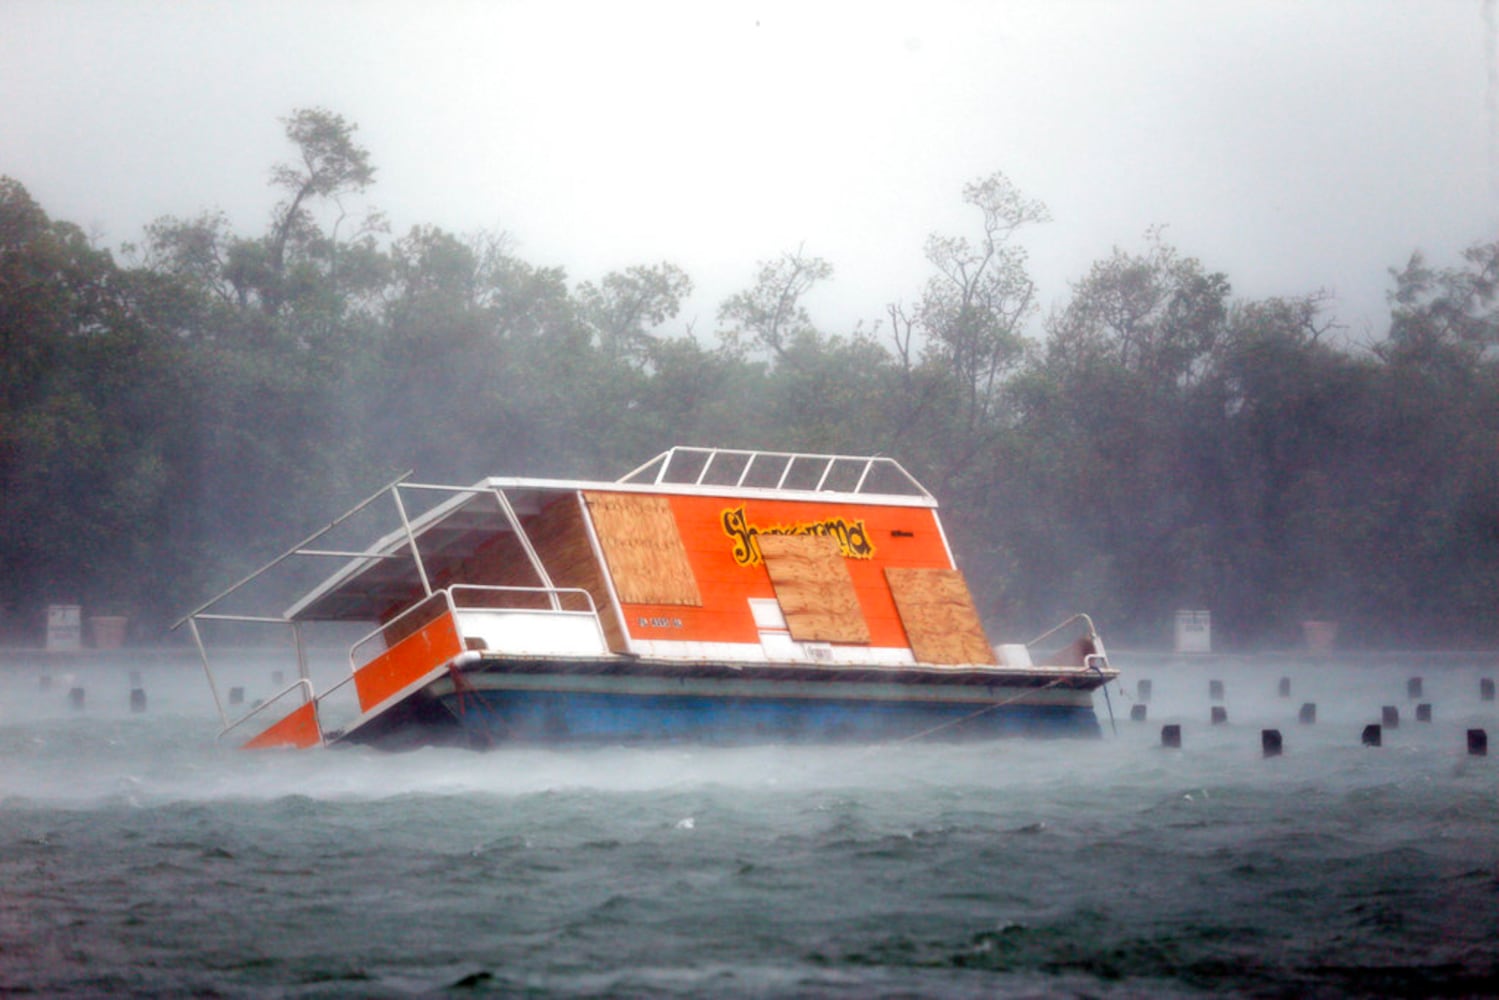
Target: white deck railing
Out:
[863,475]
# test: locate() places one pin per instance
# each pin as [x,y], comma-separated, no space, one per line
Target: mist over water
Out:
[140,856]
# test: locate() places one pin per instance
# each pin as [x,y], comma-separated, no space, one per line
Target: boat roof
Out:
[368,584]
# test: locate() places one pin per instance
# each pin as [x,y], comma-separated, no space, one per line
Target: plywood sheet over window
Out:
[643,549]
[561,540]
[938,614]
[814,589]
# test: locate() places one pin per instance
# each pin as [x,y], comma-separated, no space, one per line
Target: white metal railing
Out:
[471,617]
[380,631]
[300,682]
[1092,632]
[449,599]
[779,470]
[1095,660]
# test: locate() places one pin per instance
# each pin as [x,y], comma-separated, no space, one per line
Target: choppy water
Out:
[139,857]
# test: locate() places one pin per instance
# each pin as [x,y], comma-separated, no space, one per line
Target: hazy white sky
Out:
[1294,146]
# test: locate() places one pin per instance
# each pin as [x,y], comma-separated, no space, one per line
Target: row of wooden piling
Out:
[78,695]
[1414,688]
[1272,745]
[1271,742]
[1218,715]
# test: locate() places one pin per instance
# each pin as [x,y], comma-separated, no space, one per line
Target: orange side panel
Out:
[297,729]
[720,536]
[430,646]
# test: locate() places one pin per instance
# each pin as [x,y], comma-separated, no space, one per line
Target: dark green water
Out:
[139,857]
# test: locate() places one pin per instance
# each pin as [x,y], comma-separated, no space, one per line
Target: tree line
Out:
[170,418]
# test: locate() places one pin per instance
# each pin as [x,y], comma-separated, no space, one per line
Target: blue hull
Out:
[491,717]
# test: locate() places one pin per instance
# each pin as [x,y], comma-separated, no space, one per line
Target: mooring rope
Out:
[463,690]
[1114,726]
[923,734]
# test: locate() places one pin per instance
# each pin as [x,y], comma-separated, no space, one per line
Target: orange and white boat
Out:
[710,595]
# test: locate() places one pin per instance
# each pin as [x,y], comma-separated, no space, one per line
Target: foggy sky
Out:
[1294,146]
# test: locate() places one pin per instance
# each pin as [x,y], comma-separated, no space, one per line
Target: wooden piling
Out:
[1142,690]
[1390,717]
[1423,712]
[75,697]
[236,696]
[1413,688]
[1308,714]
[1270,742]
[1373,735]
[1171,736]
[1215,690]
[1486,689]
[1220,715]
[1285,687]
[137,699]
[1137,712]
[1478,743]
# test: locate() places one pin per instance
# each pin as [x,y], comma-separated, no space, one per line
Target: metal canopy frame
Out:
[388,547]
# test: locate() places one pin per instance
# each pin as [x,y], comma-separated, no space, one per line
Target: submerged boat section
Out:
[711,595]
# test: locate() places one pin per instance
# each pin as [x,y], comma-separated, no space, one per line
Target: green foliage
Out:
[87,381]
[625,307]
[770,316]
[971,317]
[167,424]
[1447,316]
[1156,313]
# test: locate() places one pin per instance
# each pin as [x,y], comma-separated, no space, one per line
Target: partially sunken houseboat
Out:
[710,595]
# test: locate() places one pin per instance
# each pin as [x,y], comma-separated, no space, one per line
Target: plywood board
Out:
[643,548]
[814,589]
[561,540]
[939,617]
